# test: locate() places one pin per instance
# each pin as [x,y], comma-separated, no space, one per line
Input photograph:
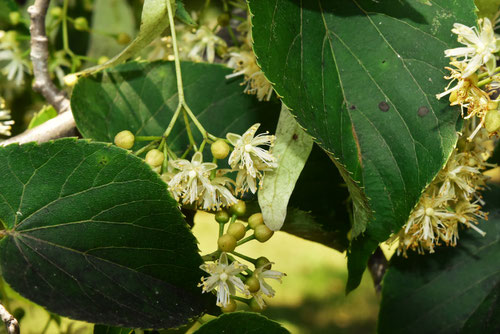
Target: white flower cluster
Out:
[5,121]
[11,54]
[226,280]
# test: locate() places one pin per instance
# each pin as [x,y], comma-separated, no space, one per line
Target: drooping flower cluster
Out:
[452,200]
[13,62]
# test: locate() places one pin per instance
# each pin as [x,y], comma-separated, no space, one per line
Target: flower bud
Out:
[230,307]
[239,208]
[226,243]
[70,80]
[123,38]
[254,306]
[154,158]
[15,18]
[102,60]
[56,12]
[81,24]
[125,139]
[252,284]
[222,217]
[237,230]
[255,220]
[492,120]
[263,233]
[453,96]
[261,261]
[223,19]
[220,149]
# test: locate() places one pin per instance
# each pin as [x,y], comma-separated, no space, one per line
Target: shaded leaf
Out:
[487,8]
[142,97]
[361,80]
[91,233]
[241,323]
[291,148]
[182,14]
[449,291]
[101,329]
[47,112]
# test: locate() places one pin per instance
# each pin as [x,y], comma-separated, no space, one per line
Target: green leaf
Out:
[47,112]
[319,205]
[101,329]
[450,290]
[91,233]
[182,14]
[112,17]
[6,7]
[361,77]
[154,20]
[142,97]
[292,148]
[241,323]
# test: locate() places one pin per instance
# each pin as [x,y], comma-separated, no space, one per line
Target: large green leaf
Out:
[91,233]
[450,291]
[142,97]
[241,323]
[361,77]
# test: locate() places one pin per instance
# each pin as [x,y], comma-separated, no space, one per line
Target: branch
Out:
[377,264]
[10,322]
[61,126]
[39,58]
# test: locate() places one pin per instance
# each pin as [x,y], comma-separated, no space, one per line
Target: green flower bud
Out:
[263,233]
[453,96]
[56,12]
[123,38]
[70,80]
[254,306]
[222,217]
[125,139]
[231,307]
[237,230]
[252,284]
[492,120]
[226,243]
[239,208]
[102,60]
[220,149]
[223,19]
[15,18]
[261,261]
[255,220]
[81,24]
[154,158]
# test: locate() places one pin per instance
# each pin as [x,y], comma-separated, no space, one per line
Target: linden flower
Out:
[5,121]
[192,179]
[204,41]
[480,49]
[218,194]
[223,279]
[458,178]
[9,51]
[249,158]
[245,63]
[262,274]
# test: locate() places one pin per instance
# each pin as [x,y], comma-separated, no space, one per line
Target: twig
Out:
[39,58]
[10,322]
[61,126]
[377,264]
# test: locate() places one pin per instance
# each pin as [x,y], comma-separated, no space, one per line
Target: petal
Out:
[233,138]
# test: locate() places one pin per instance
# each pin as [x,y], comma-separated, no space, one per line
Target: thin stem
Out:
[233,36]
[145,148]
[200,127]
[172,121]
[241,299]
[186,152]
[247,239]
[178,74]
[484,82]
[244,257]
[147,138]
[64,19]
[221,229]
[485,74]
[189,132]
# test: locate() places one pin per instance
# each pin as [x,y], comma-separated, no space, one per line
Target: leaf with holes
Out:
[361,77]
[142,97]
[455,290]
[91,233]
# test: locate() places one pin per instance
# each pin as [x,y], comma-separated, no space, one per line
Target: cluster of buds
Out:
[452,199]
[228,276]
[204,184]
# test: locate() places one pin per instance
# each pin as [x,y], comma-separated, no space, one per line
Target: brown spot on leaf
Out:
[356,140]
[422,111]
[384,106]
[295,136]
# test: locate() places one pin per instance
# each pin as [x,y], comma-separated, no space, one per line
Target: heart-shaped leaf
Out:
[91,233]
[241,323]
[361,77]
[454,290]
[142,97]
